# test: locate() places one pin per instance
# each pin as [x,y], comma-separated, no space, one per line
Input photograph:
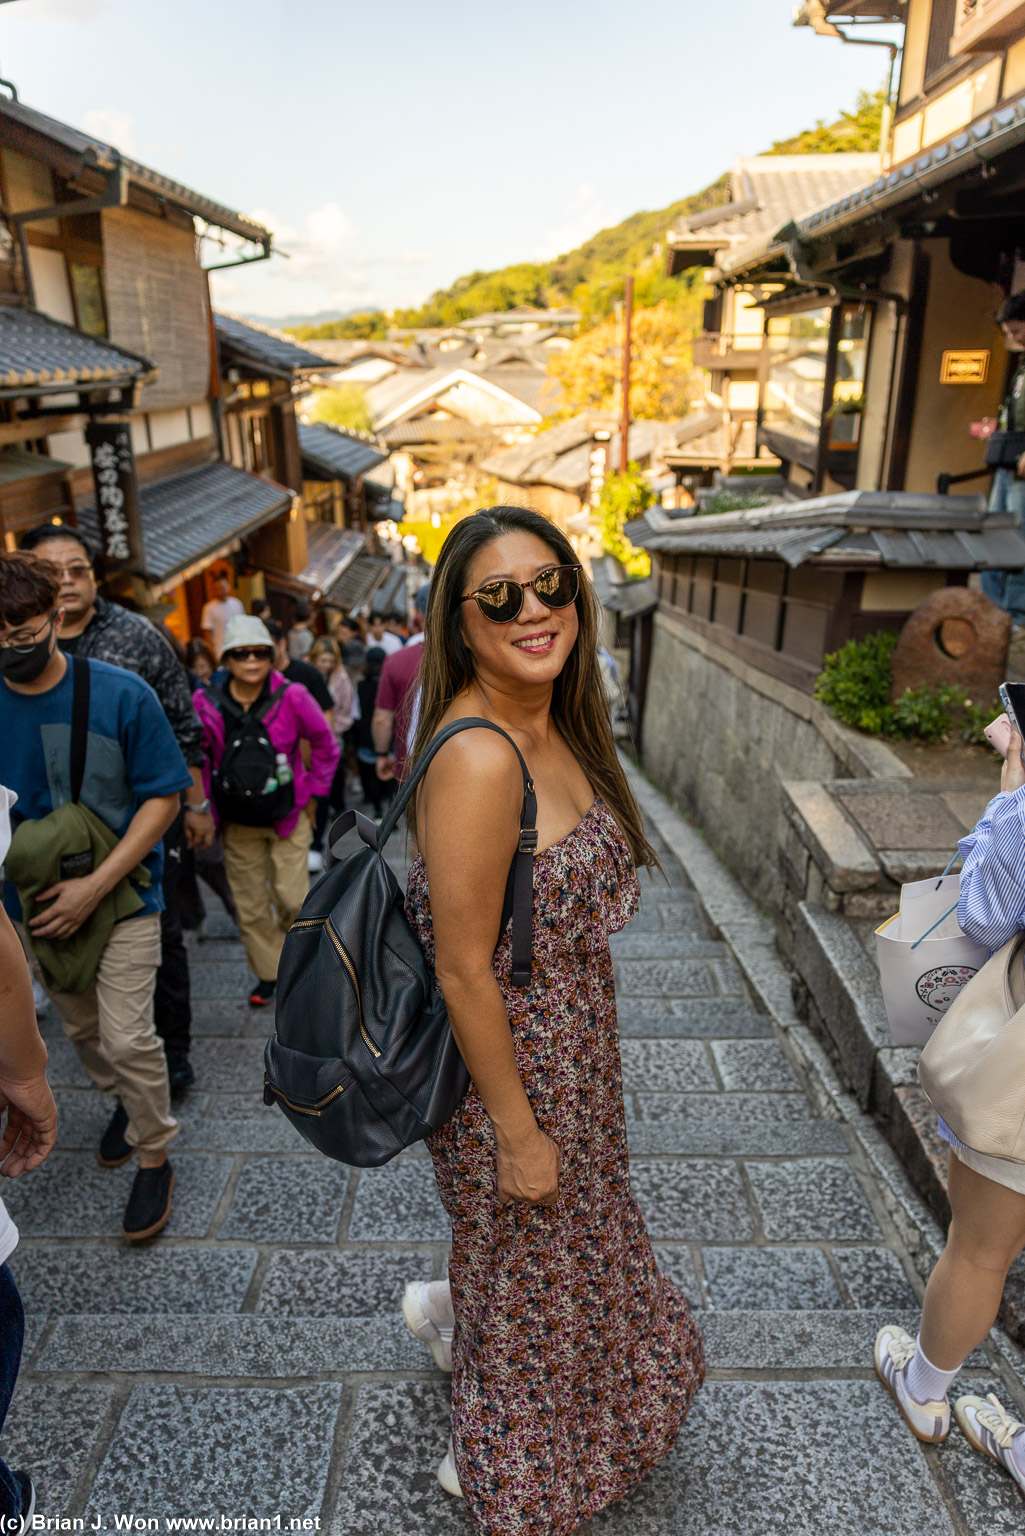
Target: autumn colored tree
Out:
[345,406]
[662,380]
[624,497]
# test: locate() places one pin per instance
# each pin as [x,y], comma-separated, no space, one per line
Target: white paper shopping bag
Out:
[924,958]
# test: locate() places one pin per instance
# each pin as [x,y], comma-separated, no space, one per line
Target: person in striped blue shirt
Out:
[987,1194]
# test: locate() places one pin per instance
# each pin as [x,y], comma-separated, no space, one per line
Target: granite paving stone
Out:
[246,1345]
[681,1066]
[674,1260]
[729,1125]
[399,1434]
[987,1497]
[659,978]
[750,1279]
[241,1452]
[72,1196]
[875,1277]
[814,1198]
[664,946]
[226,1016]
[398,1204]
[230,1066]
[727,976]
[218,925]
[84,1113]
[237,1122]
[230,979]
[65,1279]
[689,1019]
[286,1200]
[698,1202]
[50,1432]
[874,1479]
[790,1340]
[754,1066]
[352,1283]
[63,1068]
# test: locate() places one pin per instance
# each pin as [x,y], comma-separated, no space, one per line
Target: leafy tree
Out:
[344,406]
[857,130]
[623,497]
[661,375]
[369,325]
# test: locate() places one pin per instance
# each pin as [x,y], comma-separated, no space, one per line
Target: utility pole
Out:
[624,426]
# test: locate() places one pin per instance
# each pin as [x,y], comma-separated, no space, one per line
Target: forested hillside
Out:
[591,277]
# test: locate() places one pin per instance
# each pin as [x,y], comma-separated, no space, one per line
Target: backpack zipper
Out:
[301,1109]
[322,922]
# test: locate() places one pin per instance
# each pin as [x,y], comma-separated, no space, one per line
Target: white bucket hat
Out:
[243,629]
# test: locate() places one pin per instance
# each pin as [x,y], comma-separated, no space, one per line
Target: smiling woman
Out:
[574,1360]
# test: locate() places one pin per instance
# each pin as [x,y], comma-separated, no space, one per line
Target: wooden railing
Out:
[720,351]
[982,26]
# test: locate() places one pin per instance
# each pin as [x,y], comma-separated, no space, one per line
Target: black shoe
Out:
[262,994]
[26,1488]
[149,1204]
[114,1149]
[180,1075]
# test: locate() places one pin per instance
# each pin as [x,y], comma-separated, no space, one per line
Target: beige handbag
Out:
[973,1068]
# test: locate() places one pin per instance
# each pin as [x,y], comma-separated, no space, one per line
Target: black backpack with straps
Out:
[362,1060]
[246,786]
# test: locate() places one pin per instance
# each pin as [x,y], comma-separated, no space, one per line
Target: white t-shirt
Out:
[215,616]
[8,1231]
[388,642]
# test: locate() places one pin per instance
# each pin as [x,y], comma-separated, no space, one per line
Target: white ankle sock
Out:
[925,1381]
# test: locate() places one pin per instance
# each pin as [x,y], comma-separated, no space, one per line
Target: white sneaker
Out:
[447,1476]
[989,1428]
[894,1351]
[314,862]
[427,1309]
[40,1000]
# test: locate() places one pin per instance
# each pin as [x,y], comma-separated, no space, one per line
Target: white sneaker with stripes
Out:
[989,1428]
[894,1351]
[427,1309]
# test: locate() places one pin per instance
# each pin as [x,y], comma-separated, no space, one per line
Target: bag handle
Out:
[519,892]
[80,683]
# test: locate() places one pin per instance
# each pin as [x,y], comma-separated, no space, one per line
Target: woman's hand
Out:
[528,1169]
[1012,775]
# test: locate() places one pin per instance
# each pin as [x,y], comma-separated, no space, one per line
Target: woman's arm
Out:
[31,1128]
[468,825]
[991,908]
[323,747]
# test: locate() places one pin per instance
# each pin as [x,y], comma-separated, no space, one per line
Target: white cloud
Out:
[112,126]
[584,216]
[316,249]
[82,11]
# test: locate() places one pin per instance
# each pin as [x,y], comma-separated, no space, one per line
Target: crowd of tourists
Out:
[127,770]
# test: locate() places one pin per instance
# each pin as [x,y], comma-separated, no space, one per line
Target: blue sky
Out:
[394,147]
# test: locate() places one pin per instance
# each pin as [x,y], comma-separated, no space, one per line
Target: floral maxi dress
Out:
[575,1360]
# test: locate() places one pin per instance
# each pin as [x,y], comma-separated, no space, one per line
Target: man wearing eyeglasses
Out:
[98,775]
[107,632]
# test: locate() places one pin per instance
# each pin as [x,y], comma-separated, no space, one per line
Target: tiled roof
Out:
[433,429]
[93,154]
[869,528]
[336,455]
[330,552]
[196,513]
[619,593]
[358,582]
[767,192]
[981,141]
[561,456]
[43,356]
[266,348]
[410,389]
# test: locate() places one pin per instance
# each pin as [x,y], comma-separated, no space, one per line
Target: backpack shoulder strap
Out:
[80,684]
[519,891]
[224,703]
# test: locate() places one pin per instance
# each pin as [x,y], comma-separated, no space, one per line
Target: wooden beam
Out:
[40,426]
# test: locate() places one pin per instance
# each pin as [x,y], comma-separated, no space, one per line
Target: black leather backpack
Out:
[362,1060]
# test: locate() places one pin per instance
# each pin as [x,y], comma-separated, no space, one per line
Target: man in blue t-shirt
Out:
[132,781]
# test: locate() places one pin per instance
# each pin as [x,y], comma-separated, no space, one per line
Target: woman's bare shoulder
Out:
[480,761]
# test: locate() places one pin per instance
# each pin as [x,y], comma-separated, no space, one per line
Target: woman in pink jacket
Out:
[269,755]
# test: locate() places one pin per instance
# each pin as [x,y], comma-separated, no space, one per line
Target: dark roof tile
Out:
[336,455]
[44,356]
[266,348]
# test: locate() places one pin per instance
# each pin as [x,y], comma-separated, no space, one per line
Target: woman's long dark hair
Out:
[579,703]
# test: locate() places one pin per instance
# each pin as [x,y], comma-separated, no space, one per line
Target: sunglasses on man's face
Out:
[250,653]
[501,601]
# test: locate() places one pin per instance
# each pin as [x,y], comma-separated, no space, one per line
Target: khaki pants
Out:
[264,868]
[111,1028]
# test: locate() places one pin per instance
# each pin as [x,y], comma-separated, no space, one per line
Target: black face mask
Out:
[26,666]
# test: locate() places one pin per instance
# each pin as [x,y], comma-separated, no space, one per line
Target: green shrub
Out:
[732,501]
[855,684]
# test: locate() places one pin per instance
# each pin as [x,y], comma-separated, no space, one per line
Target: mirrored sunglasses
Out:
[250,653]
[501,601]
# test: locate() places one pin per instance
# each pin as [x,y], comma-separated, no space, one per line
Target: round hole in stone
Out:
[956,638]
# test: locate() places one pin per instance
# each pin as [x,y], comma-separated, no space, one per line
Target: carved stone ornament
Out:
[957,637]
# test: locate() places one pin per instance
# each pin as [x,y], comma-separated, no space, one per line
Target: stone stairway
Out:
[251,1363]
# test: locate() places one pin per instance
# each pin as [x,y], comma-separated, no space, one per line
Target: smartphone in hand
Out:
[998,734]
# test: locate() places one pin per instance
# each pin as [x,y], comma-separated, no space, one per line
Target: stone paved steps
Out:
[252,1360]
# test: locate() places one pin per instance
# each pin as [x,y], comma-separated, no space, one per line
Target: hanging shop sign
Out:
[965,367]
[117,492]
[597,465]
